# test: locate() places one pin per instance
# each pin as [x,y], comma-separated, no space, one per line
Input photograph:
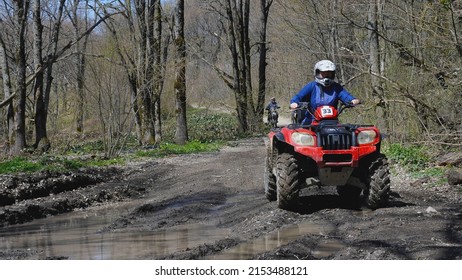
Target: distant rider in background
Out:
[272,110]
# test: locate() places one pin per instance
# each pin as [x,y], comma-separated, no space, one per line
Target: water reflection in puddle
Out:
[75,236]
[327,248]
[282,237]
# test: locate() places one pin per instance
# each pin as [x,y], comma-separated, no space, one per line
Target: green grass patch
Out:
[208,131]
[189,148]
[437,172]
[431,171]
[52,163]
[106,162]
[417,161]
[59,163]
[86,148]
[19,164]
[413,158]
[204,126]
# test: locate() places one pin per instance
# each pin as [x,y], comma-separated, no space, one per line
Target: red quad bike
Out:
[326,153]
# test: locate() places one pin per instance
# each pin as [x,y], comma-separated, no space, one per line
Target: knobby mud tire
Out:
[288,180]
[378,192]
[269,179]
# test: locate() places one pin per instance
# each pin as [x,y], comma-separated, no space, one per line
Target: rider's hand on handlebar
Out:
[355,102]
[293,105]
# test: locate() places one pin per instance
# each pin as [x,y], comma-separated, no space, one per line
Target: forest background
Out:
[152,71]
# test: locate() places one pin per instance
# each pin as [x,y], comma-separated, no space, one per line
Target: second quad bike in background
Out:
[273,116]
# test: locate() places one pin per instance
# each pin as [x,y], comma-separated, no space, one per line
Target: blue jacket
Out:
[318,95]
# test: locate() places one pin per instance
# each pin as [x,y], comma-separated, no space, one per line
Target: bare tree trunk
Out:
[49,63]
[80,48]
[144,76]
[252,120]
[130,67]
[43,72]
[455,21]
[335,39]
[150,68]
[39,94]
[236,44]
[374,59]
[79,85]
[263,48]
[149,65]
[132,77]
[158,67]
[22,9]
[235,21]
[4,65]
[181,133]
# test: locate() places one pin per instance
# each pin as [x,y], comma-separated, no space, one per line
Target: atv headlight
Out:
[303,139]
[366,136]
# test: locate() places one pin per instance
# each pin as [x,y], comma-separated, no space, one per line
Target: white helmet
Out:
[322,66]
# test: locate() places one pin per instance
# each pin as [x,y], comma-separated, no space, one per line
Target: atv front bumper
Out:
[332,158]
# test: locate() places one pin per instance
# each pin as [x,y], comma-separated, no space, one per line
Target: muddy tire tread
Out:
[379,184]
[288,179]
[269,180]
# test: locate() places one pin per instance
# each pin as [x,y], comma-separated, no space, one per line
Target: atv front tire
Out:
[288,181]
[378,191]
[269,179]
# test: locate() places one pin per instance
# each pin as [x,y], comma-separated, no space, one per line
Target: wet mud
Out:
[212,206]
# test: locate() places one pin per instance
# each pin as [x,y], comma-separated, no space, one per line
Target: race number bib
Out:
[326,111]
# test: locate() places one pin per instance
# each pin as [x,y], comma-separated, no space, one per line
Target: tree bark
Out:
[374,60]
[22,9]
[181,133]
[150,68]
[43,72]
[263,48]
[4,65]
[158,68]
[40,111]
[145,76]
[80,48]
[130,67]
[235,20]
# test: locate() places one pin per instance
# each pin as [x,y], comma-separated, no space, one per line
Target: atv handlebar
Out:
[301,106]
[344,106]
[306,105]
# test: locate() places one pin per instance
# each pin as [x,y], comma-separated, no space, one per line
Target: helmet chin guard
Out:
[324,82]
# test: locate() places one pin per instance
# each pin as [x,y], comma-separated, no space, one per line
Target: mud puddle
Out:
[77,236]
[283,237]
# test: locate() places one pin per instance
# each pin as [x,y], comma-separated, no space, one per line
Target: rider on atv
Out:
[272,112]
[325,152]
[322,91]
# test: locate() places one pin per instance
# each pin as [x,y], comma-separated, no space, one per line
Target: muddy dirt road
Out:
[212,206]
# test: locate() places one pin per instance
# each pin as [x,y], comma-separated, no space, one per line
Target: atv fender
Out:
[279,136]
[275,137]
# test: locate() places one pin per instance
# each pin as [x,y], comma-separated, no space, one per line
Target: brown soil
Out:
[422,221]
